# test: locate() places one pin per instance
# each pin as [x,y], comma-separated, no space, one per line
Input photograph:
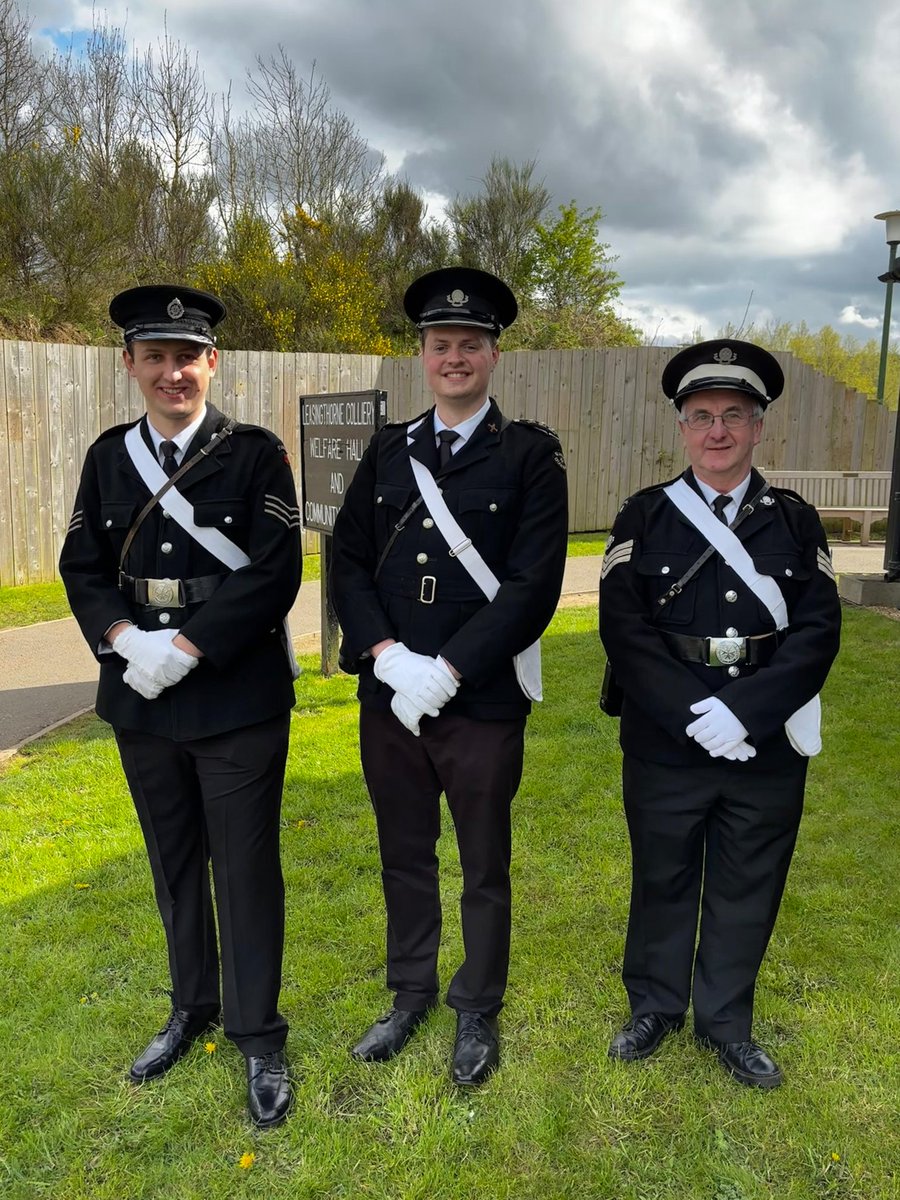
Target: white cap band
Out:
[717,371]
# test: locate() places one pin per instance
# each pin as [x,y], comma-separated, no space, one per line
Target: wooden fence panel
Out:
[618,432]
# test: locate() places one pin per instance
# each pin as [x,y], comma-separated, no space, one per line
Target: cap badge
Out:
[725,355]
[175,309]
[457,298]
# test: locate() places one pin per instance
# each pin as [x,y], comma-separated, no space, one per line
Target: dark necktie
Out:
[170,466]
[719,505]
[446,437]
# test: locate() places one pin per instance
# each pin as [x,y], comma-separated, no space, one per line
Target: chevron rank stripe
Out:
[621,554]
[289,515]
[823,562]
[76,521]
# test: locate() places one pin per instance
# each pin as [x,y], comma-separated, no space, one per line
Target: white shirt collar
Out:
[465,429]
[737,495]
[181,439]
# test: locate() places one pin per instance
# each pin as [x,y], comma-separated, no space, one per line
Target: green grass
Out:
[83,986]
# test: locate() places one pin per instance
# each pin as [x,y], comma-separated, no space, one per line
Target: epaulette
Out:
[538,425]
[409,421]
[647,491]
[271,437]
[795,496]
[117,429]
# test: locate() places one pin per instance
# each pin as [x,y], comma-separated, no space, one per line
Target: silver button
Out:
[492,507]
[165,515]
[165,618]
[428,523]
[228,520]
[731,631]
[379,499]
[422,559]
[734,672]
[788,572]
[109,524]
[664,570]
[731,597]
[166,547]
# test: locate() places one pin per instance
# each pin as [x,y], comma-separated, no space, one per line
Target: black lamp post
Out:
[892,540]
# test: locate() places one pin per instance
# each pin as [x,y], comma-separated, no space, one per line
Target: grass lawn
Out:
[83,986]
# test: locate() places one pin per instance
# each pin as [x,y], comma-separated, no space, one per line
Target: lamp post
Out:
[892,237]
[892,540]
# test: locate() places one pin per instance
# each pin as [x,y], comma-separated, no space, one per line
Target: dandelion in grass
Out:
[835,1157]
[82,887]
[209,1047]
[246,1161]
[301,824]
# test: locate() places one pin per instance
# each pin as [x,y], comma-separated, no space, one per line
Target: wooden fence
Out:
[617,431]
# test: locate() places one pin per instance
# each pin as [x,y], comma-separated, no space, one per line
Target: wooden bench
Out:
[860,496]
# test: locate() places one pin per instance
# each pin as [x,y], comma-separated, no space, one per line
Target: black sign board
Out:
[334,431]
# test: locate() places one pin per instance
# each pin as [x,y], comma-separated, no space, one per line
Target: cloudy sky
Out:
[737,150]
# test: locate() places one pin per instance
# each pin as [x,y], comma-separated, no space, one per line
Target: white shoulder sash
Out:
[802,727]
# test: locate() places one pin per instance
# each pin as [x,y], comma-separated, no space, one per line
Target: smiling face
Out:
[719,456]
[174,379]
[458,362]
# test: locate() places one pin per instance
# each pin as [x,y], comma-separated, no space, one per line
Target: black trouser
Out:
[716,840]
[478,764]
[218,799]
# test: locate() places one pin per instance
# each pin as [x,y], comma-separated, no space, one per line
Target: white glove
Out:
[418,677]
[407,713]
[741,752]
[141,683]
[718,730]
[152,653]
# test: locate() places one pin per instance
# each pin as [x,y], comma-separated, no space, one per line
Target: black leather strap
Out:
[191,591]
[758,649]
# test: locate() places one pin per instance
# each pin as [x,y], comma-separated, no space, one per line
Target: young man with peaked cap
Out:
[195,674]
[441,709]
[712,781]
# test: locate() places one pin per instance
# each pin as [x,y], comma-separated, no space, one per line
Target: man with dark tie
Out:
[720,618]
[181,562]
[448,561]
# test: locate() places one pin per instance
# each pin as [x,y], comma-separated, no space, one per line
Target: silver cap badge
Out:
[457,298]
[175,309]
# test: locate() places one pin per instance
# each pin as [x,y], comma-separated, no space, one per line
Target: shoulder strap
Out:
[723,539]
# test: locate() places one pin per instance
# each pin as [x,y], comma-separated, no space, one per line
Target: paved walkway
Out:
[48,675]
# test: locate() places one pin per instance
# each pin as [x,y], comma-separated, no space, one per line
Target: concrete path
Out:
[48,675]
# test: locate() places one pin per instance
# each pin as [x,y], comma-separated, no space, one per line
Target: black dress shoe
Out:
[639,1037]
[476,1053]
[388,1035]
[171,1043]
[747,1062]
[269,1092]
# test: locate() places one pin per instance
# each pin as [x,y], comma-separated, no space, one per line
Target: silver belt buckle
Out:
[724,651]
[427,589]
[164,593]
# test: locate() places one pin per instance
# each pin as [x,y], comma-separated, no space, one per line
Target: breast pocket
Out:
[788,570]
[116,518]
[222,514]
[488,516]
[391,502]
[658,571]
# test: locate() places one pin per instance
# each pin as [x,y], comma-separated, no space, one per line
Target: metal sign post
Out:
[335,429]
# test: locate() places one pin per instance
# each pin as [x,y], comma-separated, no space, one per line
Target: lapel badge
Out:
[492,428]
[767,501]
[175,309]
[457,298]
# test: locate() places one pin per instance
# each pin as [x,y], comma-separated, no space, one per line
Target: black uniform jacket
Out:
[654,545]
[507,489]
[245,489]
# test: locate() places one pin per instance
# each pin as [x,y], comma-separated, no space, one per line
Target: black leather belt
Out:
[428,588]
[755,651]
[169,593]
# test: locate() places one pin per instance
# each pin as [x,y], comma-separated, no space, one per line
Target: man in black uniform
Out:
[183,602]
[441,709]
[712,668]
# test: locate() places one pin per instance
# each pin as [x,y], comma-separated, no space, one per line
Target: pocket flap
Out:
[223,513]
[117,514]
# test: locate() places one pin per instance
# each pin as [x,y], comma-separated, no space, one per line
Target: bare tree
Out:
[25,88]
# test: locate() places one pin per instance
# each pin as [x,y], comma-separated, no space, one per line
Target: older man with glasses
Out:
[720,618]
